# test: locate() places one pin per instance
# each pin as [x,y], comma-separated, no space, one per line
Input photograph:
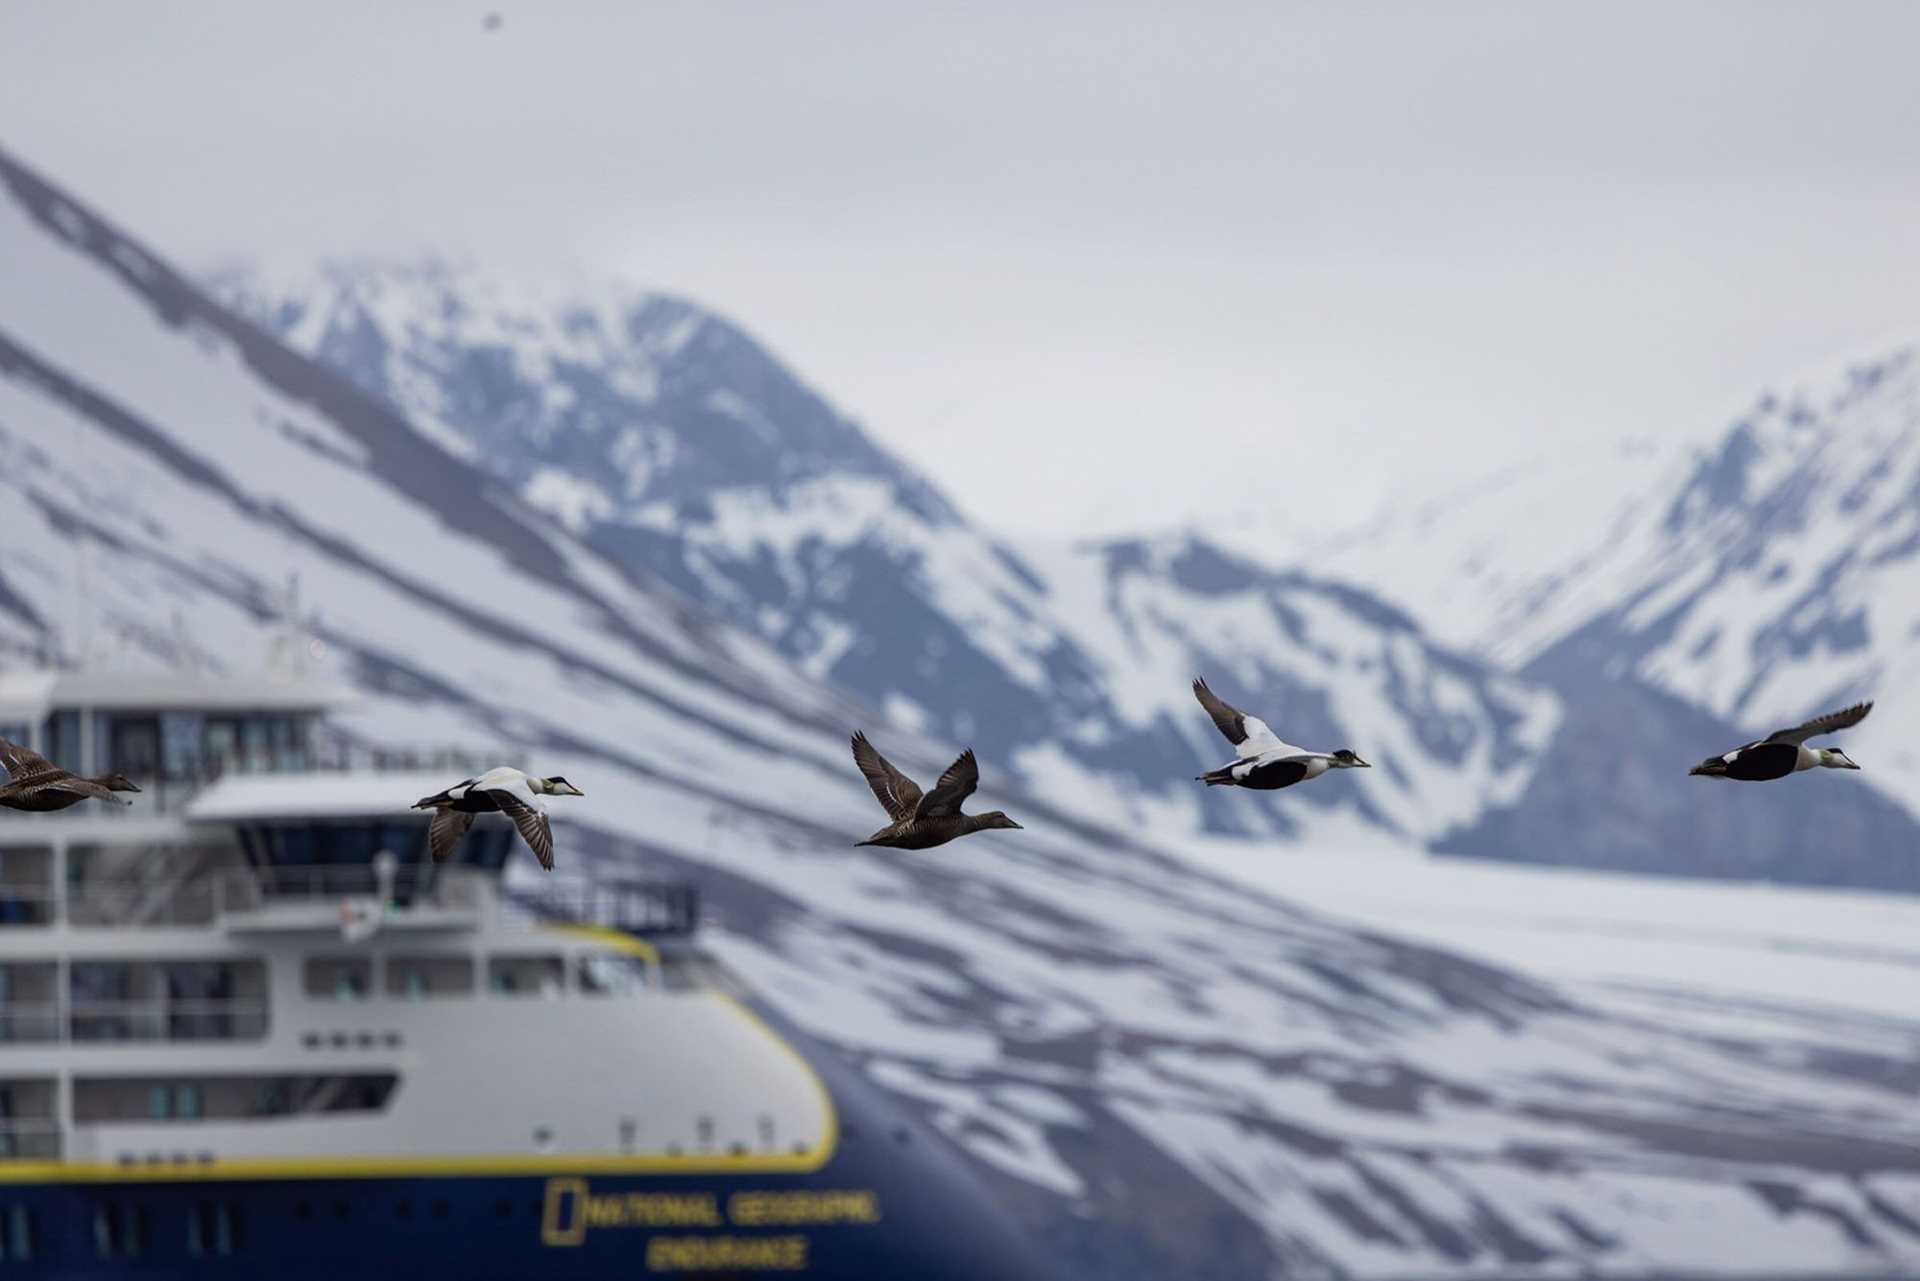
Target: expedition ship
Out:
[248,1028]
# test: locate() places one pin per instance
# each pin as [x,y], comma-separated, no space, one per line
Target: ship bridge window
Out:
[133,746]
[416,976]
[337,978]
[526,975]
[134,1099]
[604,974]
[694,972]
[351,844]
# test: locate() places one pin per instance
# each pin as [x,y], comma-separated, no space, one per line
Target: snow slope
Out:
[1168,1072]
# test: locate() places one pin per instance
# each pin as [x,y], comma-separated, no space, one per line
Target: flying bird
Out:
[37,785]
[921,822]
[501,790]
[1265,762]
[1785,751]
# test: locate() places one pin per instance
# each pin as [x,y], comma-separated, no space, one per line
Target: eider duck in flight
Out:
[1784,751]
[1265,762]
[37,785]
[922,822]
[504,790]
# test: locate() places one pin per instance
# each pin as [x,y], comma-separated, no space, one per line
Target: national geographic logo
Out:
[572,1207]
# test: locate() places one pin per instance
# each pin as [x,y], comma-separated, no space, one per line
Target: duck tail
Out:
[1216,778]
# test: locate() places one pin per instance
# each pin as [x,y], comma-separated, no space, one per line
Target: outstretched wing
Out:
[73,786]
[444,833]
[954,787]
[1846,718]
[896,793]
[533,824]
[1248,733]
[22,764]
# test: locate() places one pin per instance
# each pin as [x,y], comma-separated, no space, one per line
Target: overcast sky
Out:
[1095,266]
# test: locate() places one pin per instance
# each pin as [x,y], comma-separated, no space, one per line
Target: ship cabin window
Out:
[220,743]
[609,974]
[26,885]
[414,977]
[694,972]
[28,1129]
[138,1100]
[60,740]
[181,1000]
[526,975]
[133,746]
[148,884]
[338,978]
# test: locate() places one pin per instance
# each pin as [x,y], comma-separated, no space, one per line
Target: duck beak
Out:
[131,788]
[1362,764]
[574,791]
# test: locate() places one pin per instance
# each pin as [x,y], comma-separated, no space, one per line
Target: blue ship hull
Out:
[895,1201]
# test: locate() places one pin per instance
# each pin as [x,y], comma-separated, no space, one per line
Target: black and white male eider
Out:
[1785,751]
[38,786]
[501,790]
[922,822]
[1265,762]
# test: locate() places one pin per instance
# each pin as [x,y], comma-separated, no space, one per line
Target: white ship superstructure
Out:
[247,1024]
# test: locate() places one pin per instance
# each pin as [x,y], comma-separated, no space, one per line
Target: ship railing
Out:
[412,884]
[29,1140]
[151,1019]
[167,1019]
[632,906]
[30,1021]
[203,898]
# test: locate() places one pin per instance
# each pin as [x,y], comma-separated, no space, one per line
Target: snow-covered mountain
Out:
[669,439]
[1762,574]
[1169,1072]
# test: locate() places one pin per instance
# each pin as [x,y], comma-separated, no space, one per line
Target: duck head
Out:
[1346,758]
[557,786]
[992,819]
[1834,758]
[118,783]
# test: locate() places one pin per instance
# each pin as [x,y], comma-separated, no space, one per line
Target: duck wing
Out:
[444,833]
[897,794]
[22,764]
[73,785]
[1846,718]
[954,787]
[532,821]
[1248,733]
